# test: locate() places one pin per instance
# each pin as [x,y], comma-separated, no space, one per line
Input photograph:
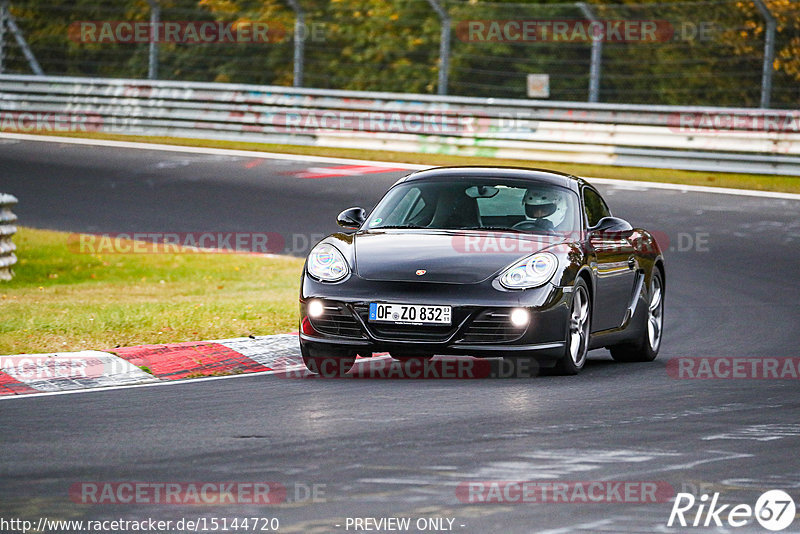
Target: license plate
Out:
[409,313]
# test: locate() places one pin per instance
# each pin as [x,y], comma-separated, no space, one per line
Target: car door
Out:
[612,259]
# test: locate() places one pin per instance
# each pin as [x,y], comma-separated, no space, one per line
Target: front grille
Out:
[337,321]
[492,326]
[403,332]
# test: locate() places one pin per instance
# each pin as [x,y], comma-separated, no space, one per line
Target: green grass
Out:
[62,300]
[761,182]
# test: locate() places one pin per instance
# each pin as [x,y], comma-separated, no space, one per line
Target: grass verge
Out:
[762,182]
[61,300]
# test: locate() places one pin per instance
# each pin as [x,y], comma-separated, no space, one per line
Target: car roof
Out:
[518,173]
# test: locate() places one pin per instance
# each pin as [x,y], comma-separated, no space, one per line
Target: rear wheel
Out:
[577,343]
[646,349]
[328,362]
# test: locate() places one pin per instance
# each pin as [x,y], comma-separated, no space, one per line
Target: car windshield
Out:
[485,203]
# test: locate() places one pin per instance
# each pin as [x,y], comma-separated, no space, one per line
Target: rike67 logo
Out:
[774,510]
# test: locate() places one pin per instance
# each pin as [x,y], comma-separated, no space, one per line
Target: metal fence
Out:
[710,139]
[7,231]
[743,53]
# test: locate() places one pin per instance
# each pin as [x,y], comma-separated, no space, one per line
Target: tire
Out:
[329,362]
[646,348]
[578,328]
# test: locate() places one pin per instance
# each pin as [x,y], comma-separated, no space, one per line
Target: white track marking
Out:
[630,184]
[765,432]
[346,161]
[133,386]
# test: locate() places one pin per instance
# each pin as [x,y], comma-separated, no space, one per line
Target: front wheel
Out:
[577,342]
[646,349]
[328,362]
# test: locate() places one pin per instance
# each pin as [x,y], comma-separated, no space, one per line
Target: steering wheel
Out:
[533,224]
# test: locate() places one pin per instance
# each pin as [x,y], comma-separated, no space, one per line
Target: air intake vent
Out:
[337,321]
[492,327]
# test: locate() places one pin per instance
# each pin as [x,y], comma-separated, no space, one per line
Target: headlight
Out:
[532,271]
[326,263]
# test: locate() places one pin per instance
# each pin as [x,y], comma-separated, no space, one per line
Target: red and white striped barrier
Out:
[64,371]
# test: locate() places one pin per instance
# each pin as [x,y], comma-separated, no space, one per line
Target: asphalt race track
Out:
[400,448]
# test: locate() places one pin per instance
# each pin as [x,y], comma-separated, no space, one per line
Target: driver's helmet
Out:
[541,202]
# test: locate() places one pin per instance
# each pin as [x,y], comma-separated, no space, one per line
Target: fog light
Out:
[315,308]
[520,317]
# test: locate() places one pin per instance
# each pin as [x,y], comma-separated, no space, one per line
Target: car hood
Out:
[462,257]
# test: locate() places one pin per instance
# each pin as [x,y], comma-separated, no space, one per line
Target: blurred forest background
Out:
[713,57]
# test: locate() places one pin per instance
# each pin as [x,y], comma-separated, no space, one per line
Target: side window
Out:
[412,200]
[596,209]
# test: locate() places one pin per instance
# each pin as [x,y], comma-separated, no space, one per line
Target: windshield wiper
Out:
[501,228]
[395,226]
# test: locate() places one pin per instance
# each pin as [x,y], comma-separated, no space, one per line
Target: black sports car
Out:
[488,262]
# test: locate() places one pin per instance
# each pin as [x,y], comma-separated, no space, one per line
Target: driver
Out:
[539,204]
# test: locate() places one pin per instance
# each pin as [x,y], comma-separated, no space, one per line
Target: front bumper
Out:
[481,323]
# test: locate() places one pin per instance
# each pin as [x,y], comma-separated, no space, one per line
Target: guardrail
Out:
[7,231]
[693,138]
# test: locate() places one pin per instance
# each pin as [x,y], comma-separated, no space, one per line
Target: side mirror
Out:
[352,218]
[611,225]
